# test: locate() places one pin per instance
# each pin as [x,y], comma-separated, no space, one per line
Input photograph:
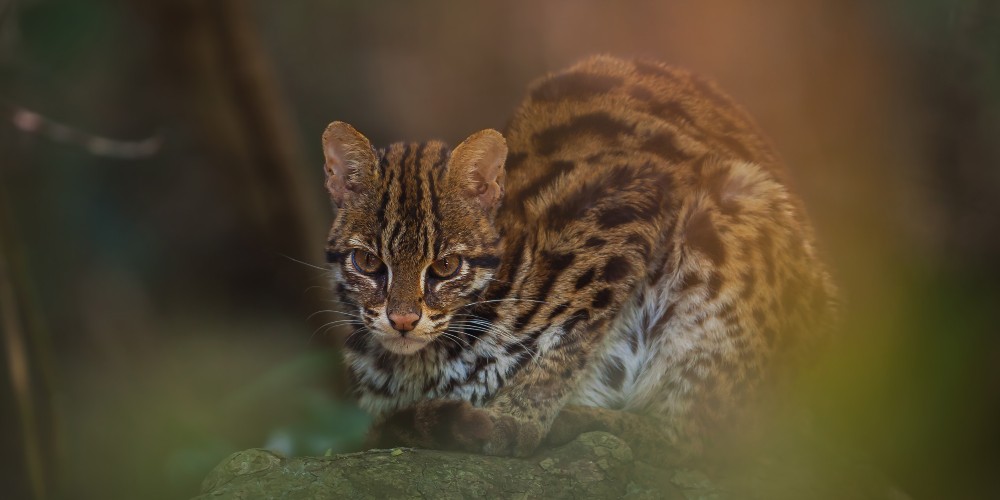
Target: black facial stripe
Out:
[383,160]
[423,243]
[435,218]
[397,228]
[484,261]
[381,286]
[380,216]
[441,167]
[403,177]
[417,158]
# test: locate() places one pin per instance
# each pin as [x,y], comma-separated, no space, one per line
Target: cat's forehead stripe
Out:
[409,211]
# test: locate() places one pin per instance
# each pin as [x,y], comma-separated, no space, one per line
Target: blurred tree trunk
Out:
[210,58]
[28,430]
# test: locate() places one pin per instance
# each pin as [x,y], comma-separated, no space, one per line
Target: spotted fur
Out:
[631,254]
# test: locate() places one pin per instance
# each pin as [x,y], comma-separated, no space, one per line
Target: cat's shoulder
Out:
[605,102]
[641,79]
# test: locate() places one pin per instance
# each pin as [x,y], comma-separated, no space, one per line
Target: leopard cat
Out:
[627,256]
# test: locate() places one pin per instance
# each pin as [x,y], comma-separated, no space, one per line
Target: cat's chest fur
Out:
[473,373]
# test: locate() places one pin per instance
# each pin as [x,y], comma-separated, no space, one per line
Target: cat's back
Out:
[605,105]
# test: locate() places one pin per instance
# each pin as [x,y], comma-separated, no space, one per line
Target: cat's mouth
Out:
[405,345]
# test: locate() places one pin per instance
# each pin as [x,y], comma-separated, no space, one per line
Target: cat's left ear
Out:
[349,158]
[477,166]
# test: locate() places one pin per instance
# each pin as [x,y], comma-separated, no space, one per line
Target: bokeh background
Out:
[159,301]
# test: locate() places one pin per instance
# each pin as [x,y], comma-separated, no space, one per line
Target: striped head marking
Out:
[413,239]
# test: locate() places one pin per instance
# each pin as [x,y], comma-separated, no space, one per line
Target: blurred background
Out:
[162,210]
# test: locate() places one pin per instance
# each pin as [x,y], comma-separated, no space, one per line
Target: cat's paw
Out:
[457,426]
[435,424]
[513,437]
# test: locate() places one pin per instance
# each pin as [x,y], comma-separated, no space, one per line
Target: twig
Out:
[32,122]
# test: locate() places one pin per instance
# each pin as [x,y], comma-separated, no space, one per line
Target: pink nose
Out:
[404,322]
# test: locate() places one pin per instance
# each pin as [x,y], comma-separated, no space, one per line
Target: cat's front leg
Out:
[523,412]
[514,423]
[516,434]
[439,424]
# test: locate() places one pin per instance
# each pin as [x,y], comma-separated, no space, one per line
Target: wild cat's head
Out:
[413,239]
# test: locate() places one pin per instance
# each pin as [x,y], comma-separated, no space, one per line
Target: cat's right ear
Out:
[347,154]
[477,166]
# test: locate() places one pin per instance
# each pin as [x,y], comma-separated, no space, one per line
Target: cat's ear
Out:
[348,156]
[477,166]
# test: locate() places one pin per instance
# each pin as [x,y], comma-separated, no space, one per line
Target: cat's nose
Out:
[404,322]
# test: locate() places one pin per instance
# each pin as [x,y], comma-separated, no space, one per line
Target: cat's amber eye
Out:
[446,267]
[366,262]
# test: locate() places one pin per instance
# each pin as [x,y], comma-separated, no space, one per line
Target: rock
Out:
[594,465]
[569,471]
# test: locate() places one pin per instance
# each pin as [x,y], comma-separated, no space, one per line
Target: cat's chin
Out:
[404,346]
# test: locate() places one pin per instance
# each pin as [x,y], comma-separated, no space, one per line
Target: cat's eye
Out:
[366,262]
[446,267]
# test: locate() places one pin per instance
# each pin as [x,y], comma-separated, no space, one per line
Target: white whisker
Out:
[355,332]
[325,270]
[334,311]
[502,300]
